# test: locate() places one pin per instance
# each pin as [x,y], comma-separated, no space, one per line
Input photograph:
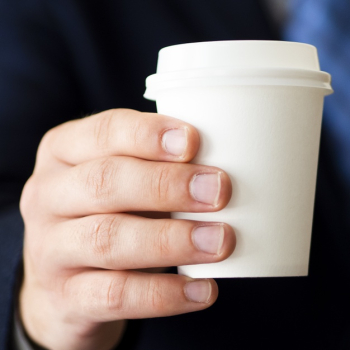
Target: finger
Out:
[102,296]
[125,241]
[121,132]
[119,184]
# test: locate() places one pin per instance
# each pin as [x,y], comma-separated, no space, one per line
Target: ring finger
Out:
[124,241]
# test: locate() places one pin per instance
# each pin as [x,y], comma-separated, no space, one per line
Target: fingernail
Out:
[209,239]
[198,291]
[205,188]
[174,141]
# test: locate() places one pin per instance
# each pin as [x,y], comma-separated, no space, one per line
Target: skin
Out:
[88,250]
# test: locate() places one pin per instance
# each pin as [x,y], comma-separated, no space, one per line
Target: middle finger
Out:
[124,241]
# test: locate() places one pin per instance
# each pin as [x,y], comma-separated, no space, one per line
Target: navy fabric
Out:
[325,24]
[11,235]
[64,59]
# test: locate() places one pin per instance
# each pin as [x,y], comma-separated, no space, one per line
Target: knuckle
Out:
[28,198]
[163,240]
[114,294]
[161,183]
[101,236]
[48,144]
[102,129]
[46,140]
[99,179]
[36,245]
[154,295]
[33,188]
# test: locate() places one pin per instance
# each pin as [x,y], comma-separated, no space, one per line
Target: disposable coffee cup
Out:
[258,108]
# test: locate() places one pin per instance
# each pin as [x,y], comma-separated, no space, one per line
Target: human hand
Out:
[84,247]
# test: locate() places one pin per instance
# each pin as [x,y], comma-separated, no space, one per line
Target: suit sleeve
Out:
[36,93]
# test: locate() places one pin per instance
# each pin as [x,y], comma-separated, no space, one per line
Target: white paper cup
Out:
[258,108]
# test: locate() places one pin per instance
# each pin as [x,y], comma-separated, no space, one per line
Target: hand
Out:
[84,245]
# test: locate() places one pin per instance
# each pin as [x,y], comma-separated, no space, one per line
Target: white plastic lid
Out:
[237,63]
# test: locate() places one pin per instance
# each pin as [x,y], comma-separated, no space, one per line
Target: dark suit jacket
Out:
[64,59]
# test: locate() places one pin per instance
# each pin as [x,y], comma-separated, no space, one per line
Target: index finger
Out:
[121,132]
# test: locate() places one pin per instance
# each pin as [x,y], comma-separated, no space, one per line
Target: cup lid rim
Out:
[224,76]
[239,54]
[237,42]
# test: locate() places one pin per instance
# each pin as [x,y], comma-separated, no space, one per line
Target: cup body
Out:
[266,137]
[267,140]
